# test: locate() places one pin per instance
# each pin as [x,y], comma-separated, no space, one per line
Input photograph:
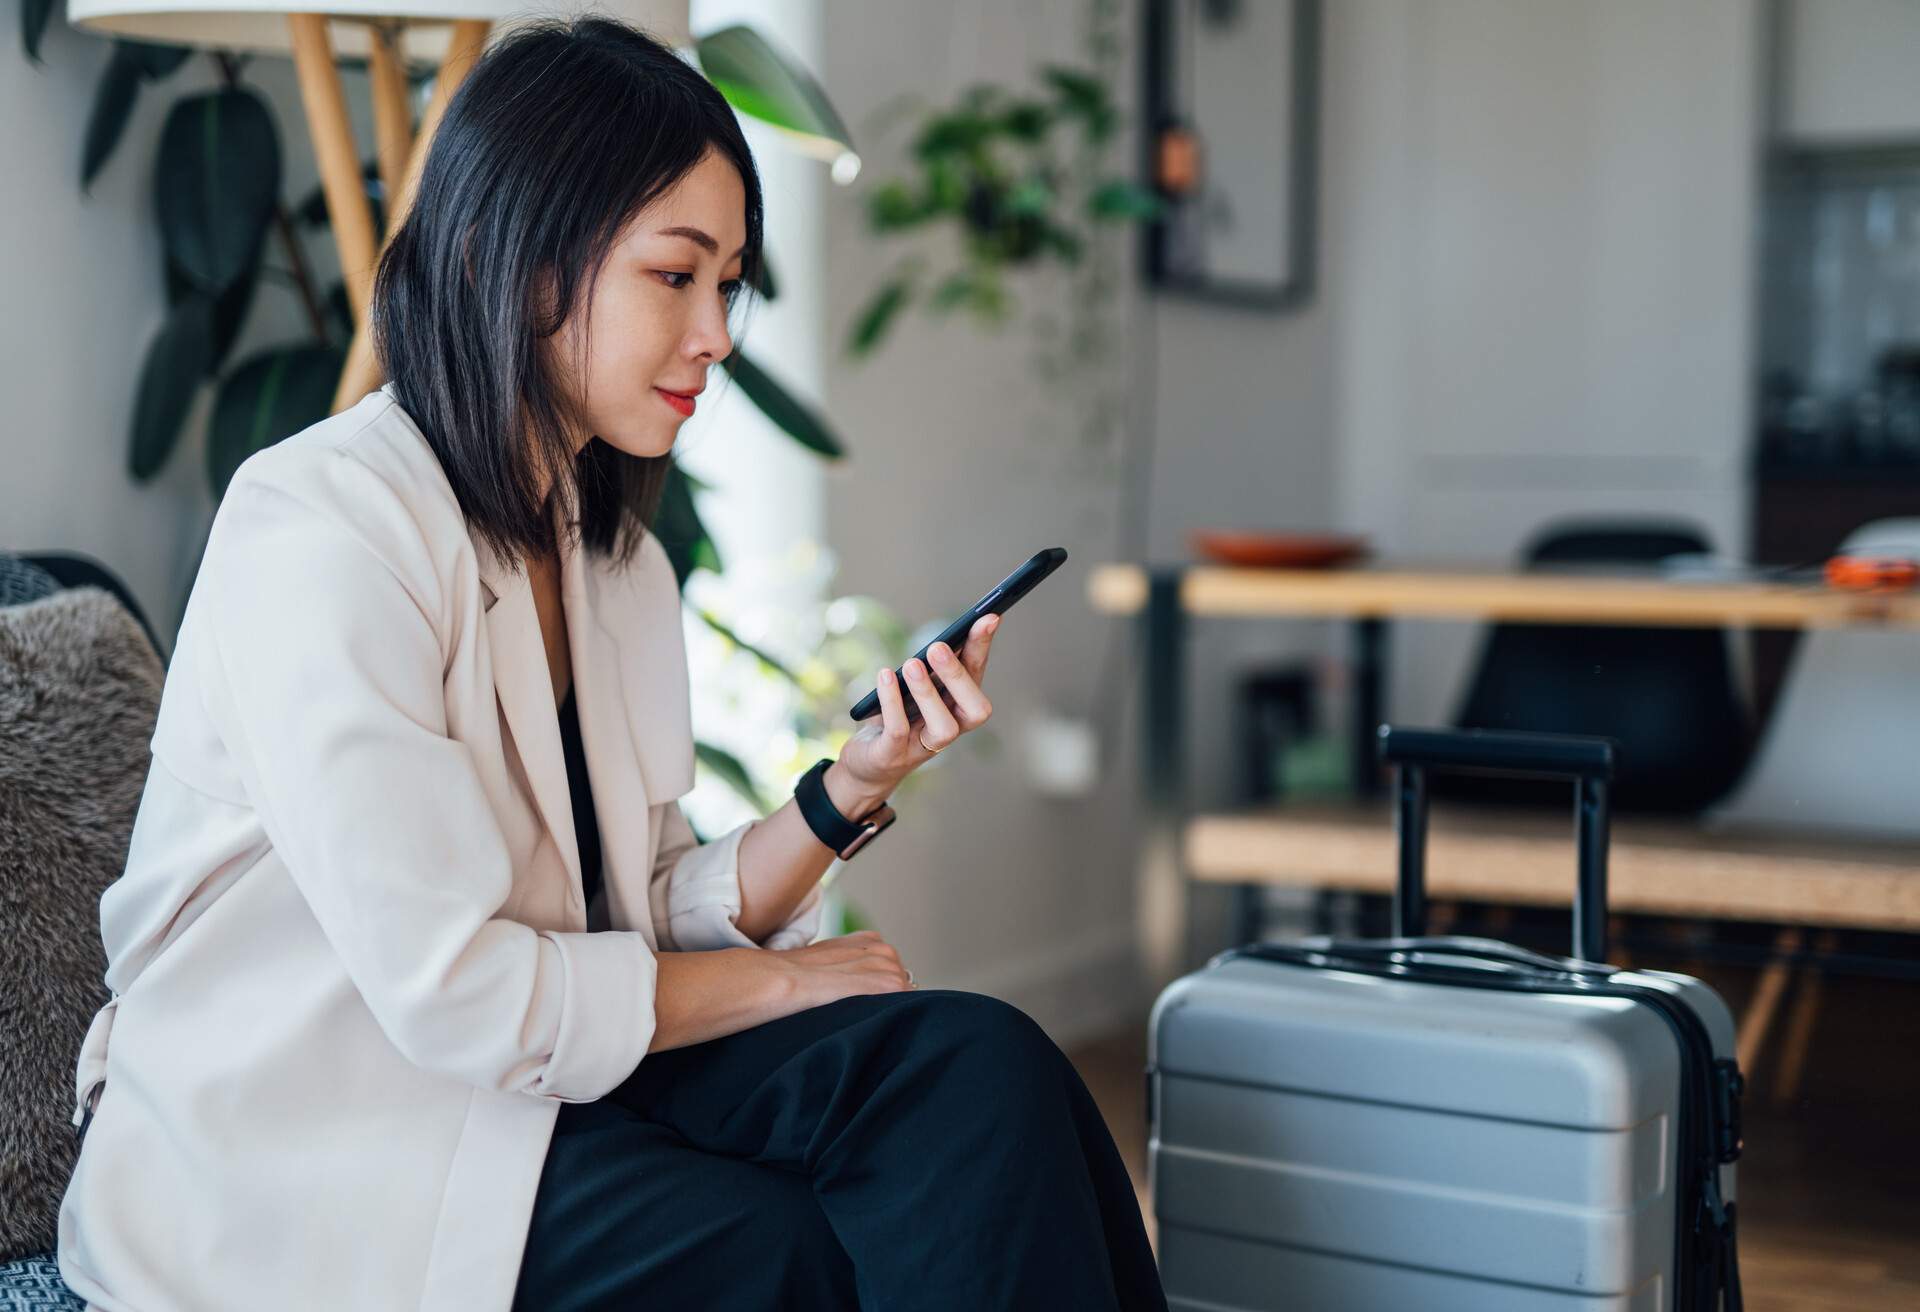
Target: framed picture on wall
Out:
[1232,97]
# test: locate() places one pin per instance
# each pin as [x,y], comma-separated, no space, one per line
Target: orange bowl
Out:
[1872,573]
[1277,550]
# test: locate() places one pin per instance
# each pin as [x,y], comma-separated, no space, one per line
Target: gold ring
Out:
[923,742]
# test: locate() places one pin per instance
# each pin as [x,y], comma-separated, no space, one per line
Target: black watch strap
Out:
[844,836]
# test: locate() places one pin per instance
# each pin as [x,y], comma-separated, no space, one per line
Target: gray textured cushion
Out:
[79,692]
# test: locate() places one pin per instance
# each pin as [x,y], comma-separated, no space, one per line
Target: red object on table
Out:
[1277,550]
[1872,573]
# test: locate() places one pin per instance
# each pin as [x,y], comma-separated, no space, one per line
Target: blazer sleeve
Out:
[695,892]
[324,605]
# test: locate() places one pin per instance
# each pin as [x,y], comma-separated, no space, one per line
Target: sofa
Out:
[81,671]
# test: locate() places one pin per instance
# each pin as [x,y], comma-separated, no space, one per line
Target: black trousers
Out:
[925,1150]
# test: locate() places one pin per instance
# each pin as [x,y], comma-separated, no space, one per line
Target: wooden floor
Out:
[1829,1187]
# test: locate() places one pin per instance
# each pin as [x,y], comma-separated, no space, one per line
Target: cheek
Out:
[647,327]
[632,347]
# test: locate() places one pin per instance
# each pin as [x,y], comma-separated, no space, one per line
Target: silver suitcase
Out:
[1446,1123]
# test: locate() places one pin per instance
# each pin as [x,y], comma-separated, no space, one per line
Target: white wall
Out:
[1543,277]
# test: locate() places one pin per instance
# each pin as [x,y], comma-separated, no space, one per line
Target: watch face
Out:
[872,824]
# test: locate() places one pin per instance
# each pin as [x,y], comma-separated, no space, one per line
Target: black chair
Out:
[1666,694]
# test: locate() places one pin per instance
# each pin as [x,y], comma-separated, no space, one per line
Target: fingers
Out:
[970,703]
[893,710]
[870,957]
[973,652]
[939,727]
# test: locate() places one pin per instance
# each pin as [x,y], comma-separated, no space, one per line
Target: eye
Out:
[669,275]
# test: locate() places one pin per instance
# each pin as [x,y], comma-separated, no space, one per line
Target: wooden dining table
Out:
[1164,599]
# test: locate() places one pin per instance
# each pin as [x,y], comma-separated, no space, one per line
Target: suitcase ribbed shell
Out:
[1342,1142]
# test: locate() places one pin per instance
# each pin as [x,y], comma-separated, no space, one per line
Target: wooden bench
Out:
[1655,867]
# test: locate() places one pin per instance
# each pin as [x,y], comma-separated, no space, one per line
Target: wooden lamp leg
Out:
[392,119]
[339,160]
[362,372]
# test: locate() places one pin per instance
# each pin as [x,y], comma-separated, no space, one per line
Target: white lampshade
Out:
[261,25]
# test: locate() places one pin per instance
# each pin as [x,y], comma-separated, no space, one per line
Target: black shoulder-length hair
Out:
[561,133]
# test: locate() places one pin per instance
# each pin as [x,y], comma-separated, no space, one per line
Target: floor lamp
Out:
[388,34]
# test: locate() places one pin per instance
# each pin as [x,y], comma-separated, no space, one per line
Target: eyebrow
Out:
[700,239]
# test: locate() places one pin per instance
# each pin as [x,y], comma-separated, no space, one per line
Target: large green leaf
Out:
[677,525]
[178,359]
[229,308]
[153,60]
[1119,199]
[732,773]
[764,284]
[798,421]
[112,106]
[33,25]
[271,395]
[216,182]
[132,63]
[759,80]
[874,321]
[230,312]
[770,662]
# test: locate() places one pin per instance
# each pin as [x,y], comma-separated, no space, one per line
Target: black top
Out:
[586,828]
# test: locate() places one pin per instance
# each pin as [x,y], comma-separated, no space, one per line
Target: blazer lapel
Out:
[524,684]
[630,686]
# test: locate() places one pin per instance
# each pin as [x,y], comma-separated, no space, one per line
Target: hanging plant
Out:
[990,169]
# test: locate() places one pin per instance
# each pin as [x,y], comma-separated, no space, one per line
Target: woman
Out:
[425,997]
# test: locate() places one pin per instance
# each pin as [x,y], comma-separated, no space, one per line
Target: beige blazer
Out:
[352,976]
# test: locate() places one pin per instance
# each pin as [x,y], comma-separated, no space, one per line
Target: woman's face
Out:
[659,312]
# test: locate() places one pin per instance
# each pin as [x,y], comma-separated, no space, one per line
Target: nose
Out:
[709,336]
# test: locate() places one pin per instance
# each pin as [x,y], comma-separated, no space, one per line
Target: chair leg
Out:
[1774,977]
[1617,955]
[1806,1004]
[1249,913]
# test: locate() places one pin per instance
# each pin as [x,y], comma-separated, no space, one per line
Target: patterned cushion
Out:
[22,581]
[33,1284]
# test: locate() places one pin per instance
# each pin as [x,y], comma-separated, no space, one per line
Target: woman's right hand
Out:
[842,967]
[703,995]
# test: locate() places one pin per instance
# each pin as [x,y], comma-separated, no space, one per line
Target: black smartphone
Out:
[998,601]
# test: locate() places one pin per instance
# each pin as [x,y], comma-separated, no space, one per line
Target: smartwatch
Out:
[844,836]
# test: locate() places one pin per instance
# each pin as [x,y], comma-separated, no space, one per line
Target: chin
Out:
[645,445]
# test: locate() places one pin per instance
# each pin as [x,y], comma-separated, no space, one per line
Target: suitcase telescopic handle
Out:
[1586,762]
